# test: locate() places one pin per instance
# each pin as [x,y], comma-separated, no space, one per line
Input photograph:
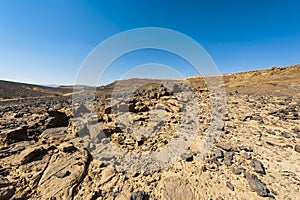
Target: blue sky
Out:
[45,41]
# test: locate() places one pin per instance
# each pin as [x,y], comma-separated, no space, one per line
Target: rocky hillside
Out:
[10,90]
[159,140]
[279,81]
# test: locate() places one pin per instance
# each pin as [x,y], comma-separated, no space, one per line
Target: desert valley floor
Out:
[54,147]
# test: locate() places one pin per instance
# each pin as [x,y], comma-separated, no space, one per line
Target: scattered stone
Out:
[219,154]
[224,147]
[140,195]
[4,182]
[296,129]
[114,194]
[247,155]
[270,132]
[62,174]
[215,160]
[258,166]
[257,185]
[140,140]
[286,135]
[247,149]
[228,160]
[247,117]
[172,108]
[237,170]
[297,148]
[287,146]
[270,143]
[19,115]
[187,157]
[229,185]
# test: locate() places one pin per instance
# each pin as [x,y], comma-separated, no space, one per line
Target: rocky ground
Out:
[156,143]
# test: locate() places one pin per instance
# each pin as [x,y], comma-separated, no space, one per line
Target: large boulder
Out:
[55,135]
[57,119]
[14,135]
[257,185]
[31,153]
[63,175]
[7,190]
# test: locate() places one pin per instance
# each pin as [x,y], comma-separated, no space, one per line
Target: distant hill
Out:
[9,90]
[285,81]
[275,80]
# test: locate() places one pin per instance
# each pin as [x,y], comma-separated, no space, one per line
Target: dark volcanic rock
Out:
[57,119]
[247,155]
[140,195]
[62,174]
[247,149]
[228,161]
[297,148]
[108,110]
[257,185]
[67,147]
[229,185]
[15,135]
[187,157]
[258,166]
[219,154]
[237,170]
[215,160]
[270,132]
[286,135]
[296,129]
[247,117]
